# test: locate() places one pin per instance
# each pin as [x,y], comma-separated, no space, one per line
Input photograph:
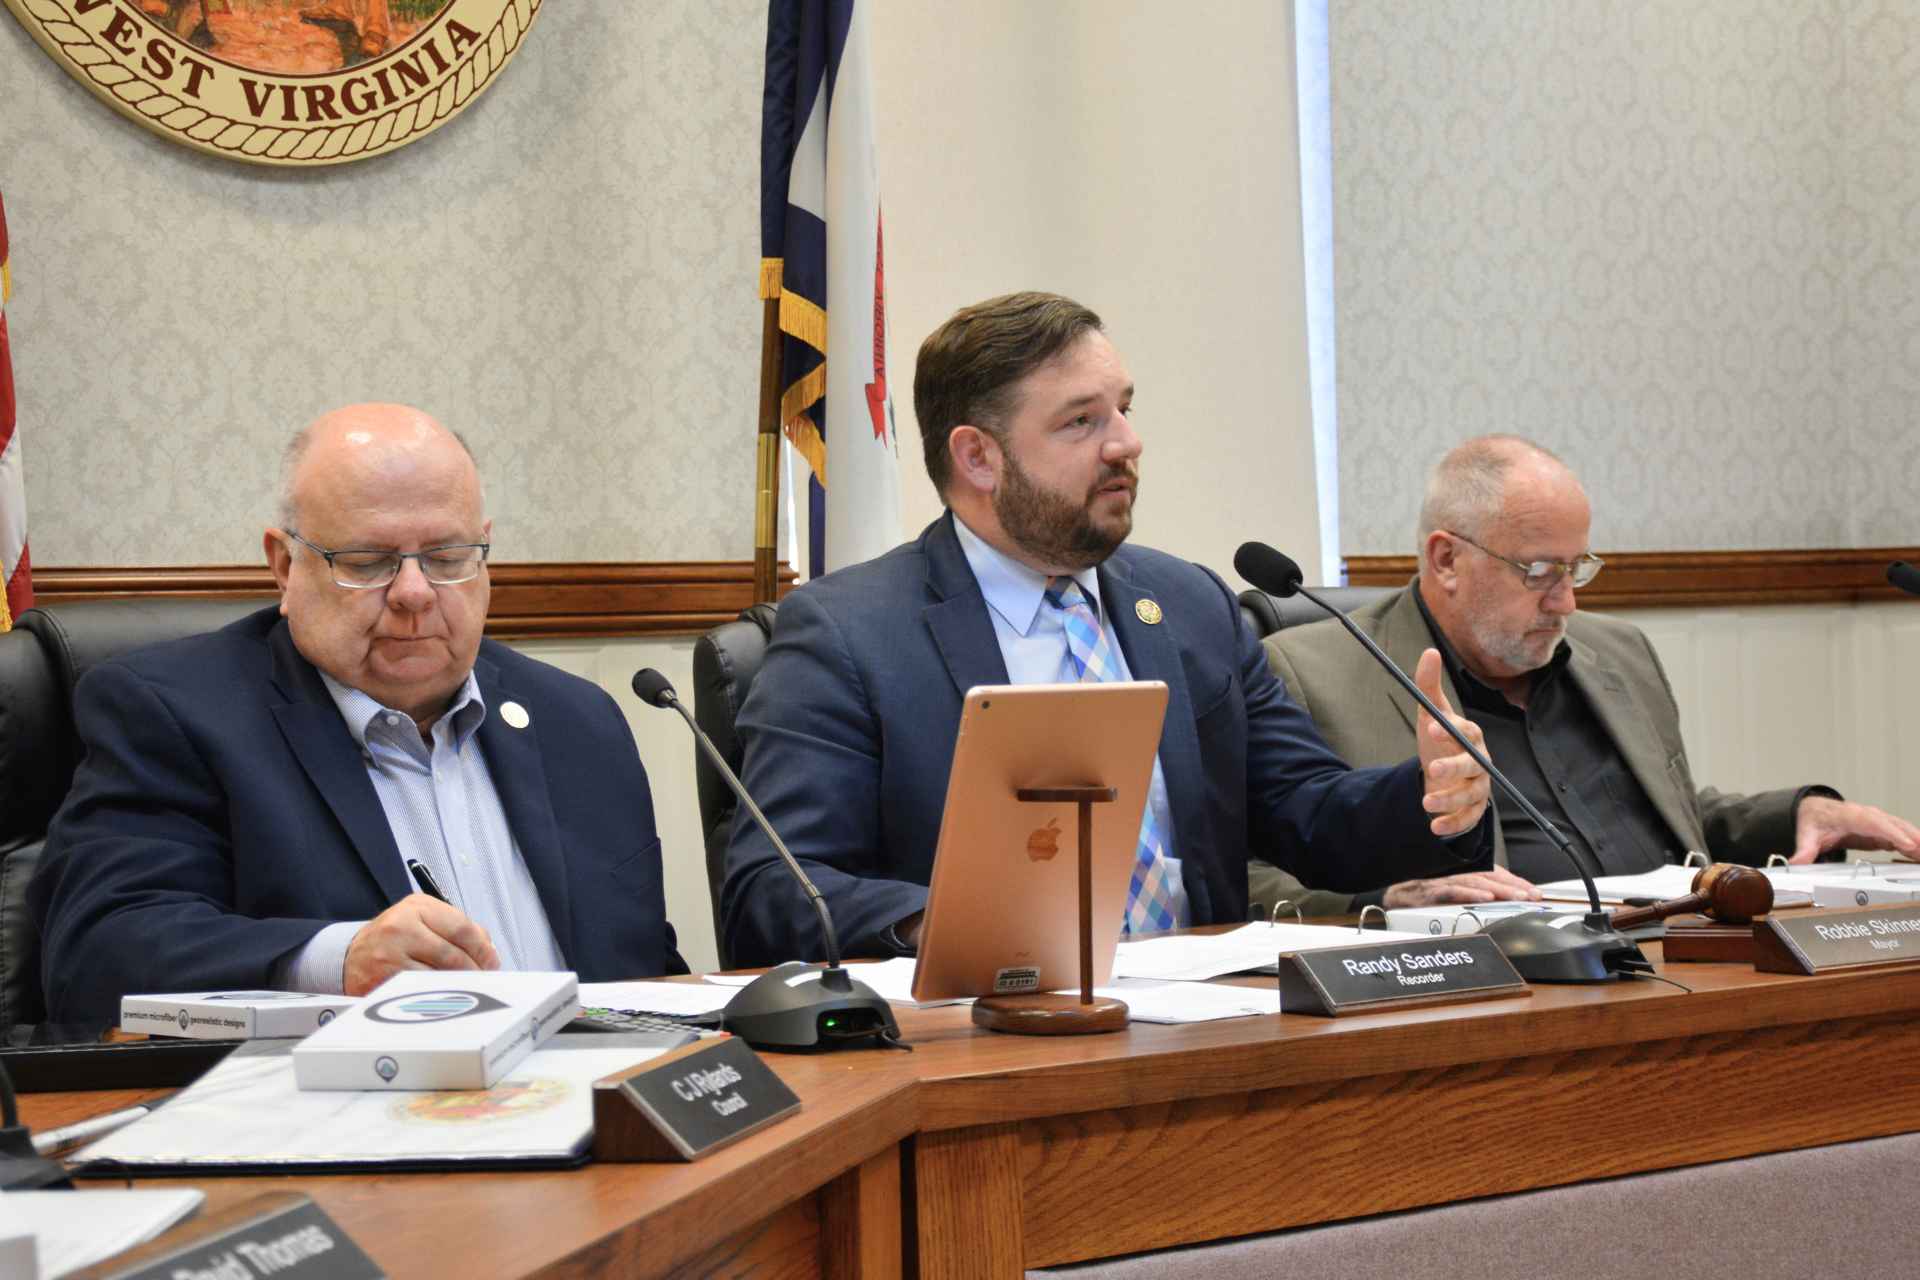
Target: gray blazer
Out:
[1369,719]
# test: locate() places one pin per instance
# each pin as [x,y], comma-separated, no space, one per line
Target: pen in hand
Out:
[424,878]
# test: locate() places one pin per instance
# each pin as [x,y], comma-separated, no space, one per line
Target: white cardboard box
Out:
[230,1015]
[424,1029]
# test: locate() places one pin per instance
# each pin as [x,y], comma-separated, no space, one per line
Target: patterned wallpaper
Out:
[566,273]
[1675,240]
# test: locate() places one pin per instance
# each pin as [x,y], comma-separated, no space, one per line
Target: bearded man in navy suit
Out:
[1024,407]
[254,803]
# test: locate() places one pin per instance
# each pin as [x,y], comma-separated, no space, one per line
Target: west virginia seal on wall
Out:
[291,82]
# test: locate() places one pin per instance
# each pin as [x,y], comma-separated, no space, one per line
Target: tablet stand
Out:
[1051,1013]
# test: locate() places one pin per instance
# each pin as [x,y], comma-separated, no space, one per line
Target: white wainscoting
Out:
[1769,697]
[1784,695]
[666,748]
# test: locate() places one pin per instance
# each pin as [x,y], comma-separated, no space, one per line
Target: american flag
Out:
[13,489]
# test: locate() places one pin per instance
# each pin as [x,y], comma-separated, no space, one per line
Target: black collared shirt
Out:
[1561,757]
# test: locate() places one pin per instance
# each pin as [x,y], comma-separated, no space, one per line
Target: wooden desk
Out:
[979,1155]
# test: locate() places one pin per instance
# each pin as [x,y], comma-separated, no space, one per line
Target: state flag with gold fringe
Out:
[821,256]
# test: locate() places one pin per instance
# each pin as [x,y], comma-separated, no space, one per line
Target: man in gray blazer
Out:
[1575,707]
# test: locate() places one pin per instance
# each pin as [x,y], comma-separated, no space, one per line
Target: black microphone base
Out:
[22,1168]
[831,1011]
[1544,948]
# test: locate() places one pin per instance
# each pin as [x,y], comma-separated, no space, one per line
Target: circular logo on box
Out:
[432,1006]
[288,82]
[181,1018]
[386,1068]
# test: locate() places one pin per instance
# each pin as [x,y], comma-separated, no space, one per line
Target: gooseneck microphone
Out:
[785,1008]
[1904,576]
[656,690]
[1540,951]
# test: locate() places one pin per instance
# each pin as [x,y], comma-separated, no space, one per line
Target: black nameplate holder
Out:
[281,1234]
[1825,941]
[1373,976]
[687,1104]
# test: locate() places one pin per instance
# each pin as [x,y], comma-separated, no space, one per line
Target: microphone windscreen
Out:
[1904,576]
[1267,569]
[653,688]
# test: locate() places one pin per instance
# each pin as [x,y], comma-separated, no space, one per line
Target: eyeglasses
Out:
[442,566]
[1543,575]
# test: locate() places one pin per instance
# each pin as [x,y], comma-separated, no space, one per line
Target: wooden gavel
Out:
[1727,891]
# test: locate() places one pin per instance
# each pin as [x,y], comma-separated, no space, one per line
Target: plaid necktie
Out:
[1150,898]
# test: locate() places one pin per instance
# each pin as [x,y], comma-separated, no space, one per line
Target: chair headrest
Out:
[75,638]
[1267,614]
[725,661]
[34,726]
[80,636]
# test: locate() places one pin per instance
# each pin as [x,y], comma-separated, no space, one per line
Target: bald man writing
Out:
[251,800]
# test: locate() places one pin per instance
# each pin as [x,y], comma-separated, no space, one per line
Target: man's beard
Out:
[1053,528]
[1528,651]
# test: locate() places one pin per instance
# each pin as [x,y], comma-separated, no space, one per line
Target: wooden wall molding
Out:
[530,601]
[559,600]
[1674,579]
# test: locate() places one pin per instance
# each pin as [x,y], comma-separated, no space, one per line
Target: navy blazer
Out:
[849,732]
[223,815]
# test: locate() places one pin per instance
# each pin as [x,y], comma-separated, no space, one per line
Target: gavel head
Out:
[1736,894]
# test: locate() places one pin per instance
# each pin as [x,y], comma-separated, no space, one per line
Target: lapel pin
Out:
[1148,612]
[515,715]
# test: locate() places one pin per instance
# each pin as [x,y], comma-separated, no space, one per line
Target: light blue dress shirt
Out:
[443,809]
[1033,641]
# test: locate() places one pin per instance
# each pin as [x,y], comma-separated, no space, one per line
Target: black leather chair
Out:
[1267,614]
[41,660]
[725,661]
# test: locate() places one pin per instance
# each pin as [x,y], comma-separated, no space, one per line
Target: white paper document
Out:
[1460,919]
[1194,957]
[1151,1001]
[1672,881]
[891,980]
[248,1111]
[75,1229]
[1865,891]
[686,999]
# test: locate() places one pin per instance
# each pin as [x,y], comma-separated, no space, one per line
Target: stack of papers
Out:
[1458,919]
[1167,1002]
[1149,998]
[248,1112]
[1790,887]
[681,999]
[1896,870]
[1865,891]
[1253,948]
[891,980]
[74,1230]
